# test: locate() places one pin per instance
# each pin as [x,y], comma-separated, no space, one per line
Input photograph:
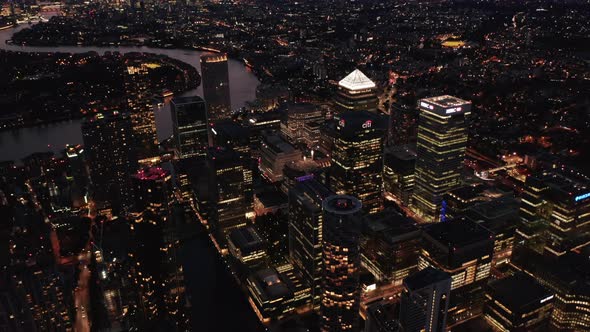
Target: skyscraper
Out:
[442,139]
[228,205]
[339,310]
[305,232]
[142,113]
[357,158]
[356,92]
[425,301]
[216,92]
[190,126]
[464,249]
[112,158]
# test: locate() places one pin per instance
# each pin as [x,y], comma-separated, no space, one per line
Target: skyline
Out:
[314,166]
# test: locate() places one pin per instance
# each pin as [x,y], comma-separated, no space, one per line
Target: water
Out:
[19,143]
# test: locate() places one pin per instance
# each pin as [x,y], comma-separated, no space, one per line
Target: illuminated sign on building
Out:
[453,110]
[546,299]
[582,197]
[367,124]
[426,105]
[341,123]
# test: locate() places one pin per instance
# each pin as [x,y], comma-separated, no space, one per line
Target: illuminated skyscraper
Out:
[140,107]
[442,139]
[227,191]
[305,232]
[356,92]
[216,92]
[464,249]
[112,158]
[339,309]
[425,301]
[189,126]
[357,158]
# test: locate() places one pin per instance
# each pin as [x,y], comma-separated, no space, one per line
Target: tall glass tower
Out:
[440,151]
[216,86]
[339,308]
[190,126]
[357,158]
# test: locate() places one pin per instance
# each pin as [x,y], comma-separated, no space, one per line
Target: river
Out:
[19,143]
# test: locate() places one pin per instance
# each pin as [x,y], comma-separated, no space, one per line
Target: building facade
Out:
[440,151]
[357,158]
[190,126]
[339,309]
[216,92]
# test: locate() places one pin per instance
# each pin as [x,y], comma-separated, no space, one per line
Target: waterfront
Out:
[19,143]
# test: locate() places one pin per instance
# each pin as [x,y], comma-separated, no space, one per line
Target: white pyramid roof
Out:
[356,81]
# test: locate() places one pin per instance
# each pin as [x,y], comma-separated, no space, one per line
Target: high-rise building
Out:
[298,116]
[398,173]
[275,153]
[390,246]
[159,273]
[140,107]
[425,301]
[339,309]
[356,92]
[190,126]
[111,157]
[214,70]
[357,158]
[555,213]
[568,278]
[464,249]
[305,232]
[442,139]
[518,303]
[227,188]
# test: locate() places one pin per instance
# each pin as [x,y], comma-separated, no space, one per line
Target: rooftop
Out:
[457,233]
[356,81]
[246,239]
[187,100]
[518,291]
[445,105]
[426,277]
[151,173]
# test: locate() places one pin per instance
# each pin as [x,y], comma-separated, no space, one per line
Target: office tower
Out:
[275,293]
[339,309]
[442,139]
[305,232]
[567,277]
[112,158]
[140,107]
[356,92]
[159,272]
[463,249]
[534,214]
[275,153]
[569,199]
[398,173]
[153,190]
[246,246]
[425,301]
[298,116]
[390,246]
[190,126]
[227,200]
[232,135]
[216,92]
[357,158]
[518,303]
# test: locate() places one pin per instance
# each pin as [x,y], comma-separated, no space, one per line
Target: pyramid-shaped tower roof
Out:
[356,81]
